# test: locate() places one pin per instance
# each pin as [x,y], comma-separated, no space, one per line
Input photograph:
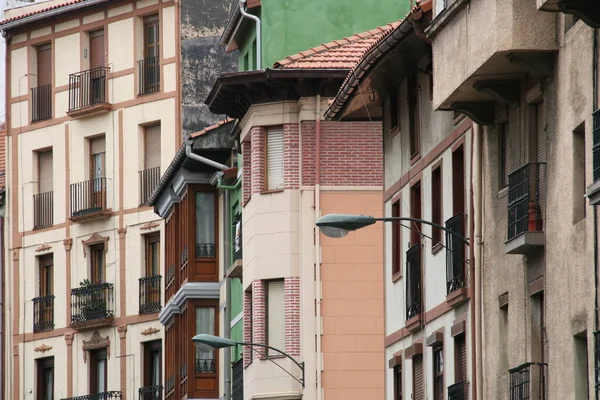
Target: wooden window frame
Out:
[414,359]
[192,328]
[397,371]
[266,188]
[396,241]
[41,365]
[149,240]
[43,47]
[416,204]
[460,343]
[438,351]
[437,206]
[152,21]
[92,154]
[150,348]
[95,356]
[46,262]
[97,271]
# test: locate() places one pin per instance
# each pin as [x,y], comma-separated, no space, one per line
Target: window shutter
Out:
[541,151]
[418,378]
[152,147]
[45,169]
[275,159]
[98,145]
[276,316]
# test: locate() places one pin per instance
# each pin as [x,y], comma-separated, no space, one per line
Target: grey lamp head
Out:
[338,225]
[204,341]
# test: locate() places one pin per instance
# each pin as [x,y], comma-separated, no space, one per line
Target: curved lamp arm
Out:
[283,353]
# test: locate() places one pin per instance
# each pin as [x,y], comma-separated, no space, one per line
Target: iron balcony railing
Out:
[149,75]
[458,391]
[151,392]
[413,281]
[205,365]
[149,179]
[97,396]
[92,302]
[527,382]
[43,209]
[150,294]
[87,88]
[455,253]
[170,385]
[43,313]
[596,146]
[41,103]
[526,198]
[88,197]
[205,250]
[237,381]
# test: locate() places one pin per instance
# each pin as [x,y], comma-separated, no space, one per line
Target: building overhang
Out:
[237,24]
[191,290]
[587,10]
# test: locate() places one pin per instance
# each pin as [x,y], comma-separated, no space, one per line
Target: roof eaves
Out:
[166,178]
[232,23]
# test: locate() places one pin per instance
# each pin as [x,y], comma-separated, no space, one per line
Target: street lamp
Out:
[205,342]
[338,225]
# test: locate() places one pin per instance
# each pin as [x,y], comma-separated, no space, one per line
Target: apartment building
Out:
[94,114]
[530,84]
[428,274]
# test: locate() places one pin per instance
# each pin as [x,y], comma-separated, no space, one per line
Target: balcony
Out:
[97,396]
[149,179]
[41,103]
[527,382]
[150,294]
[92,306]
[150,393]
[413,287]
[237,381]
[526,203]
[88,200]
[458,391]
[455,260]
[205,366]
[87,93]
[593,191]
[148,75]
[587,10]
[43,210]
[43,313]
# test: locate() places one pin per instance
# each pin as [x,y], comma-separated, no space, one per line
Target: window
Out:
[46,280]
[152,367]
[41,96]
[415,212]
[97,165]
[418,391]
[205,225]
[579,151]
[45,378]
[580,354]
[276,315]
[149,66]
[151,36]
[97,77]
[205,323]
[460,359]
[537,328]
[98,371]
[98,265]
[394,113]
[413,114]
[152,146]
[504,156]
[396,241]
[503,339]
[43,201]
[153,254]
[275,159]
[97,49]
[43,305]
[436,205]
[458,181]
[45,166]
[438,373]
[397,382]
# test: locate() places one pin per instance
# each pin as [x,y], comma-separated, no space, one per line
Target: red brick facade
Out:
[292,316]
[259,326]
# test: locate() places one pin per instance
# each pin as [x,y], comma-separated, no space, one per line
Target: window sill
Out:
[271,191]
[436,248]
[414,158]
[397,276]
[503,192]
[457,297]
[414,324]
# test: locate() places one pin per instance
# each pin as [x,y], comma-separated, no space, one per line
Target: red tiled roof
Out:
[211,127]
[41,11]
[339,54]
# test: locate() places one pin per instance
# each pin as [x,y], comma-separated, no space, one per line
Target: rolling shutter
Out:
[276,315]
[45,165]
[418,378]
[98,145]
[152,147]
[275,158]
[541,151]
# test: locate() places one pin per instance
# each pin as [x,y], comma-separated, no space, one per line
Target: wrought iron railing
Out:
[596,146]
[43,209]
[205,250]
[150,294]
[87,88]
[92,302]
[526,199]
[41,103]
[97,396]
[170,275]
[88,197]
[237,381]
[43,313]
[150,392]
[170,385]
[413,281]
[455,253]
[458,391]
[149,179]
[183,256]
[149,75]
[527,382]
[205,365]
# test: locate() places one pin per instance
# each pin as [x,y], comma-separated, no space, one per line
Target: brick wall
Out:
[247,328]
[259,327]
[292,316]
[257,159]
[246,165]
[291,167]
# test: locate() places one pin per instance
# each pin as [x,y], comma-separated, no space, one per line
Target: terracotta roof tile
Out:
[211,128]
[41,11]
[338,54]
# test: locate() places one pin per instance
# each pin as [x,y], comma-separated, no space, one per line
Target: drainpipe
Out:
[595,106]
[318,238]
[227,263]
[258,33]
[203,160]
[476,269]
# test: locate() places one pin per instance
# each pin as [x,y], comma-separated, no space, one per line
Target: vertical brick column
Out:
[246,164]
[291,154]
[259,327]
[257,159]
[247,328]
[292,316]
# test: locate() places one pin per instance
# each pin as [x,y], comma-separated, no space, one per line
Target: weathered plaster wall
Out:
[202,59]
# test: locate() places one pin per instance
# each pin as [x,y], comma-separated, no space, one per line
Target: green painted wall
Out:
[291,26]
[236,305]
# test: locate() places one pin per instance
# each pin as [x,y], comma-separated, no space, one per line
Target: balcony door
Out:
[152,289]
[45,379]
[98,268]
[152,367]
[97,76]
[97,166]
[98,371]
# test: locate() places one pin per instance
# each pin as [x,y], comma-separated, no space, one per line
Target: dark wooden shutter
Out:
[44,64]
[418,378]
[97,49]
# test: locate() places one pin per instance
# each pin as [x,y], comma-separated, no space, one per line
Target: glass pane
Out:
[101,376]
[205,223]
[150,34]
[98,165]
[154,260]
[156,368]
[99,265]
[205,323]
[49,378]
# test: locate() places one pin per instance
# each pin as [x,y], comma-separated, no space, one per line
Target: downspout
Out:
[203,160]
[227,263]
[258,33]
[594,108]
[476,266]
[318,239]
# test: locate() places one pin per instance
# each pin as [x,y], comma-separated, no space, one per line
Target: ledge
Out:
[235,271]
[191,290]
[90,110]
[91,324]
[593,193]
[444,17]
[100,214]
[457,297]
[413,324]
[525,243]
